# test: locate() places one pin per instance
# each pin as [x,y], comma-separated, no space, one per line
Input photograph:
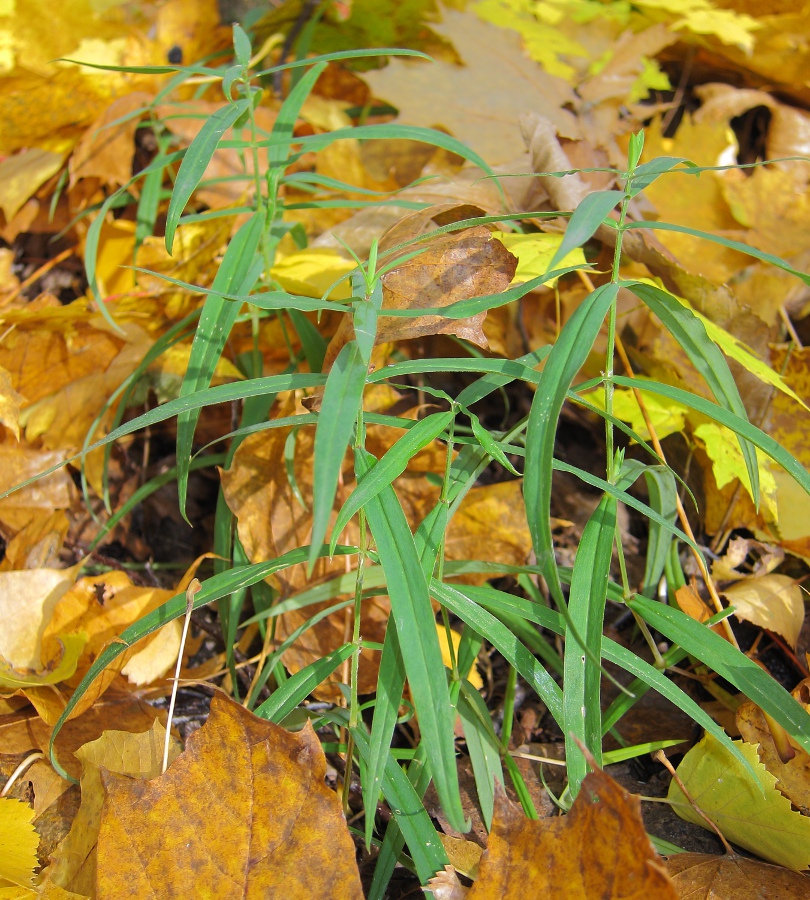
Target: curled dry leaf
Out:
[774,602]
[698,875]
[599,851]
[244,810]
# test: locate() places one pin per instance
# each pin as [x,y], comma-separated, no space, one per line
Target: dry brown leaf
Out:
[73,865]
[690,602]
[599,851]
[481,100]
[450,268]
[793,776]
[244,809]
[700,876]
[106,149]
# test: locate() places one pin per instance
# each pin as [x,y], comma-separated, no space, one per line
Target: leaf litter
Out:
[60,362]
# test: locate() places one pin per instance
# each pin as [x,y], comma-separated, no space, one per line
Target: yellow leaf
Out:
[472,676]
[18,841]
[667,416]
[134,755]
[534,253]
[10,402]
[600,849]
[22,174]
[235,762]
[27,601]
[723,448]
[775,602]
[757,817]
[59,670]
[312,272]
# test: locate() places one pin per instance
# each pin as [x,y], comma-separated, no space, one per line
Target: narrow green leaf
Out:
[241,46]
[340,404]
[705,356]
[725,242]
[737,424]
[587,217]
[582,711]
[195,162]
[563,362]
[297,688]
[483,747]
[236,272]
[390,685]
[416,630]
[391,465]
[729,663]
[663,496]
[458,602]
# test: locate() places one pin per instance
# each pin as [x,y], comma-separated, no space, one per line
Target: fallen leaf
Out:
[754,816]
[599,850]
[245,808]
[699,875]
[22,174]
[27,602]
[775,602]
[793,776]
[18,842]
[480,101]
[73,865]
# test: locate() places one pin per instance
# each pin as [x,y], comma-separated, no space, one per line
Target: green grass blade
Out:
[663,496]
[390,685]
[592,210]
[719,414]
[705,356]
[236,272]
[563,362]
[297,688]
[725,242]
[497,601]
[312,342]
[582,712]
[342,399]
[416,629]
[195,162]
[505,642]
[288,115]
[390,466]
[483,747]
[729,663]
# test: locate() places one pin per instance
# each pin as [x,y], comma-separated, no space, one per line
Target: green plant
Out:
[410,565]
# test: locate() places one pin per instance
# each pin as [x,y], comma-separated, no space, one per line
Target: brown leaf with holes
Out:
[701,876]
[244,811]
[599,851]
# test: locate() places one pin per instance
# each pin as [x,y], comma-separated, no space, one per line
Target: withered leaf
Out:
[599,851]
[244,811]
[700,875]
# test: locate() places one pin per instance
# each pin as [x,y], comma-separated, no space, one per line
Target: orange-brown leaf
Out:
[244,811]
[700,876]
[599,851]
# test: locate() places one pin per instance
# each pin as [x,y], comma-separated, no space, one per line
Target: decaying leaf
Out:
[756,817]
[698,875]
[73,866]
[599,850]
[166,837]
